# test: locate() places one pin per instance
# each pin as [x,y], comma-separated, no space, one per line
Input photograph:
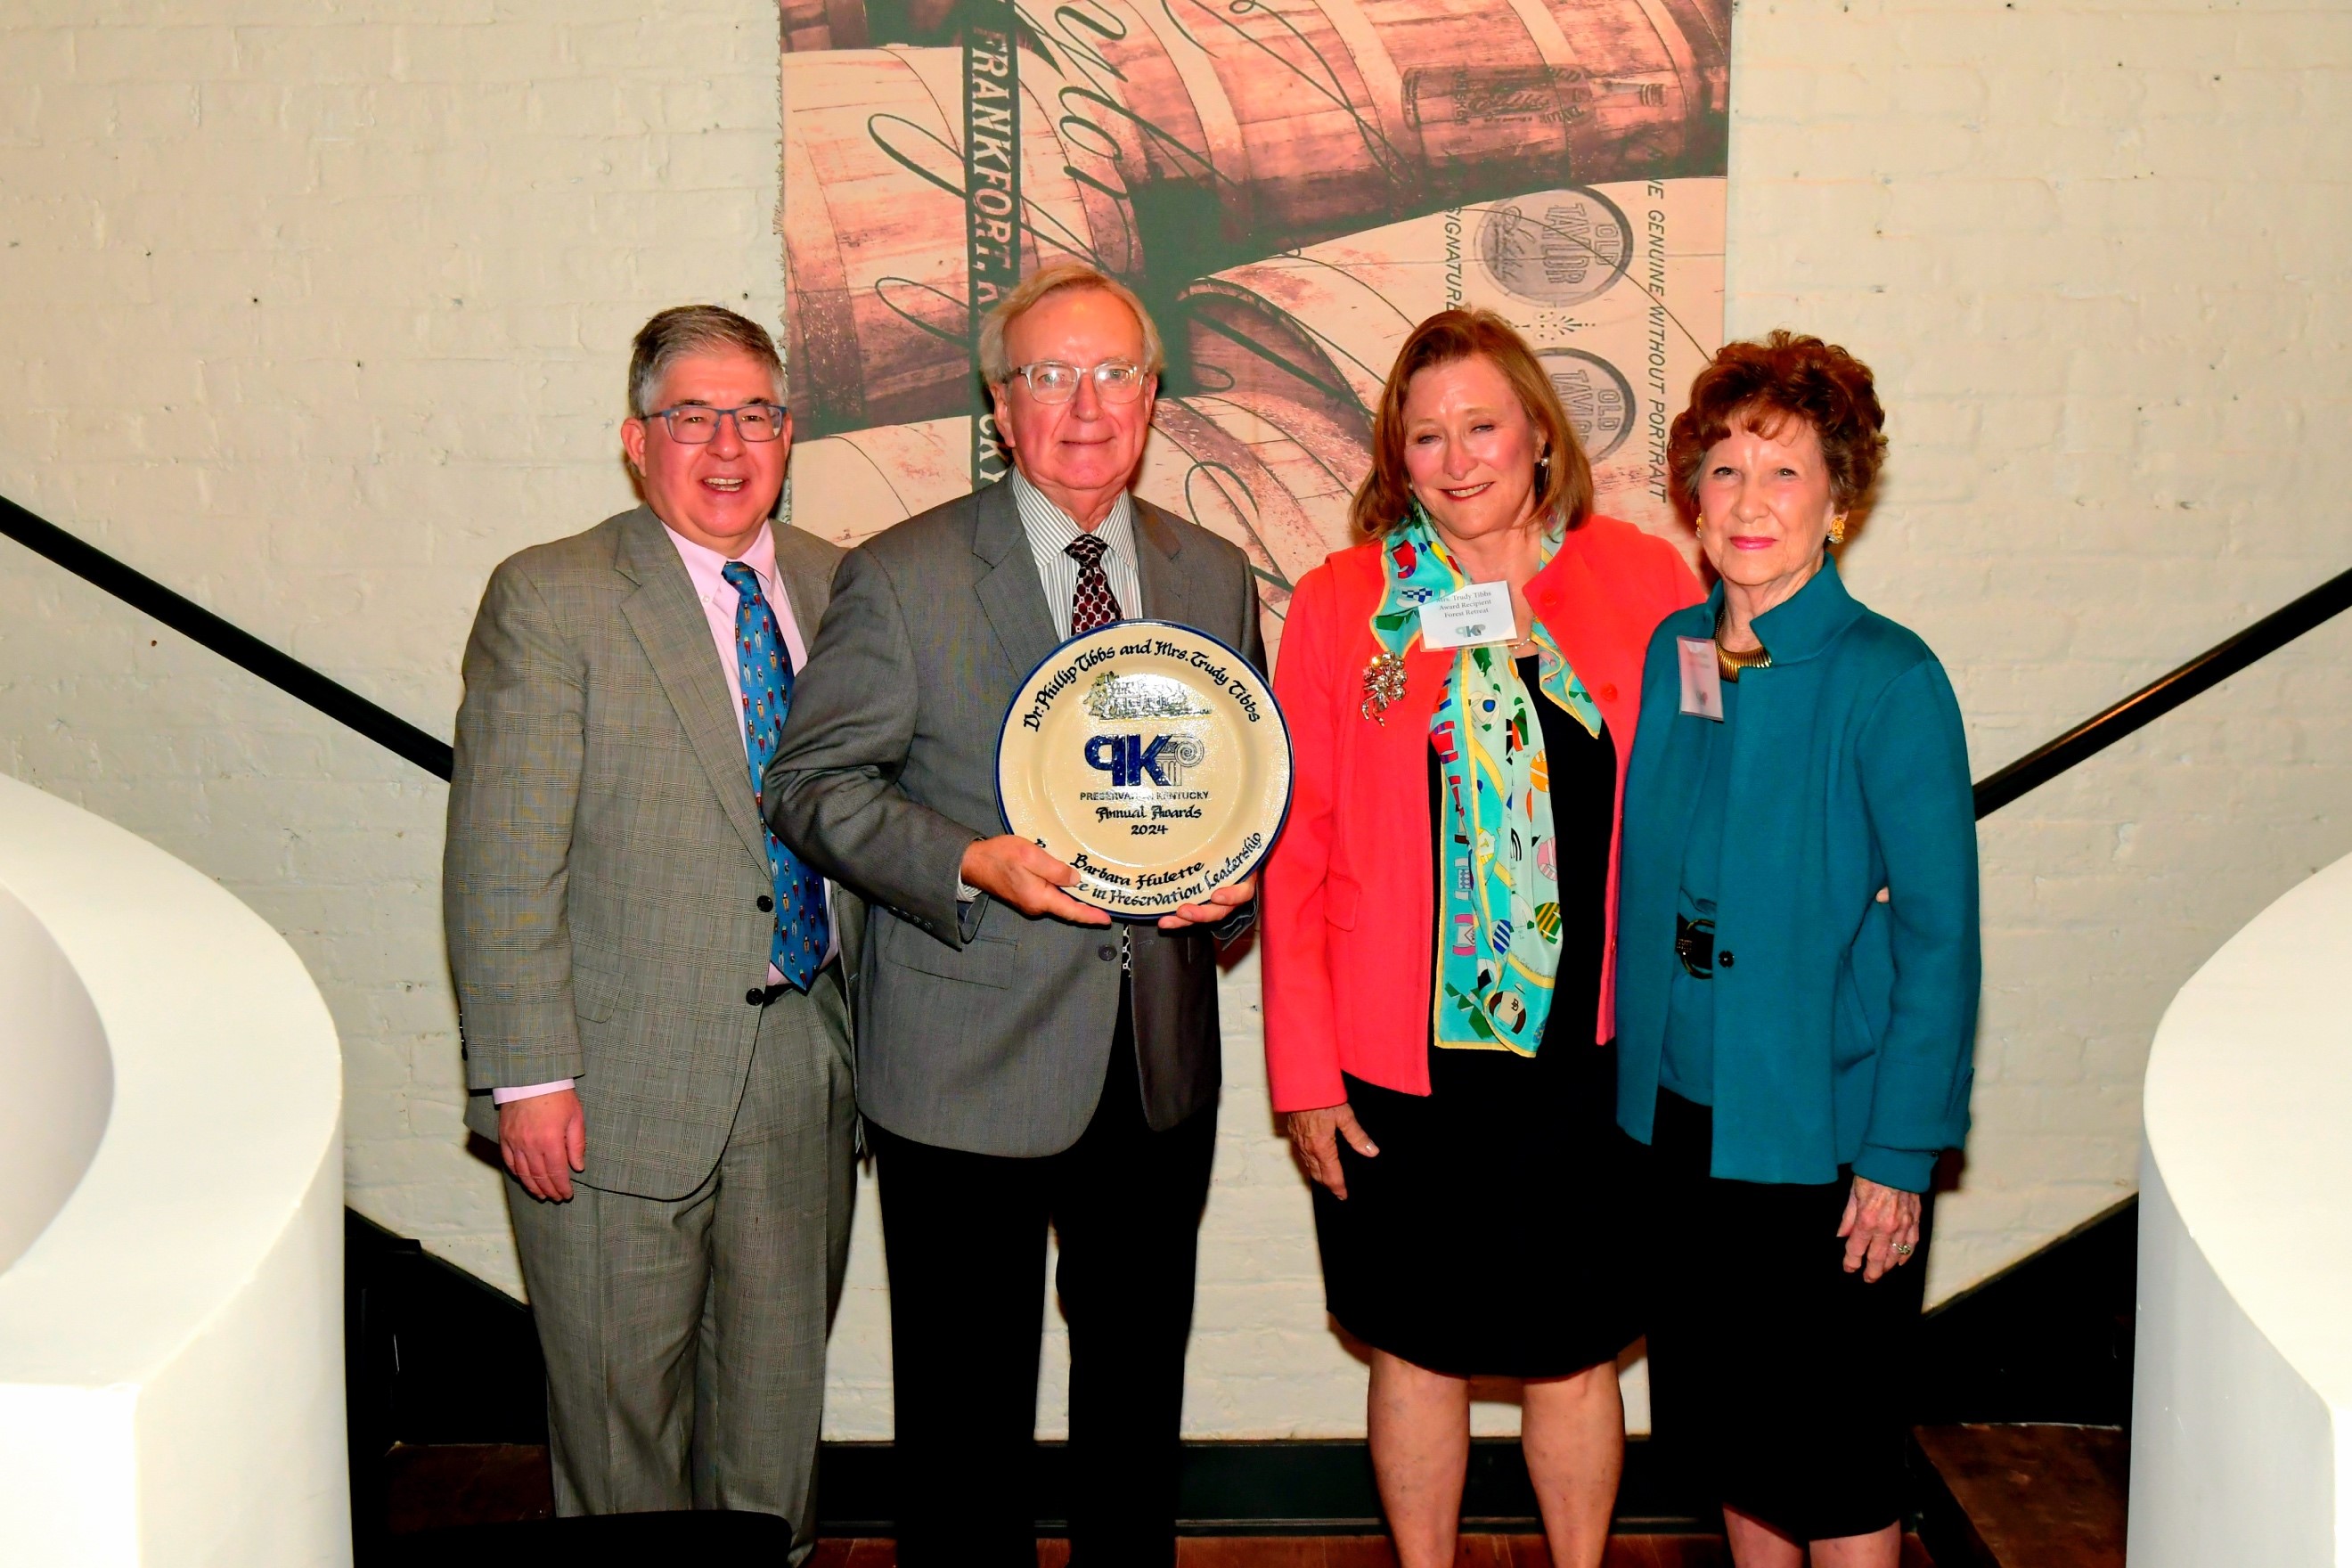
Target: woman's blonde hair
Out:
[1565,491]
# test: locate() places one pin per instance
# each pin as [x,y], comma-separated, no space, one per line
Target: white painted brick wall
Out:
[2096,252]
[315,310]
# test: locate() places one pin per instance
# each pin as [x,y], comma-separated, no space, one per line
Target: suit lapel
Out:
[1158,544]
[1010,594]
[805,568]
[676,635]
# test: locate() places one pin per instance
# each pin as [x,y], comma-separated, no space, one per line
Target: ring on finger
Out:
[1902,1249]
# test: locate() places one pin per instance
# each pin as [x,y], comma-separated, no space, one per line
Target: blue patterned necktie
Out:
[767,675]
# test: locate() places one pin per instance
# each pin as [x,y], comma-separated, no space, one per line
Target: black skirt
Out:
[1492,1236]
[1776,1378]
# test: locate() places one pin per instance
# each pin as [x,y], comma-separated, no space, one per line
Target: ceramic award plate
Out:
[1149,756]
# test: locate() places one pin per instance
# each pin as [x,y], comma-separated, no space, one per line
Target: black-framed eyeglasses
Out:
[1051,381]
[696,425]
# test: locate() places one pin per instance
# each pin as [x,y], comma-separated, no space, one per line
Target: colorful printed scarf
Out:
[1499,926]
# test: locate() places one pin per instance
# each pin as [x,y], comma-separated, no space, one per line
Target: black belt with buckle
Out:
[1695,945]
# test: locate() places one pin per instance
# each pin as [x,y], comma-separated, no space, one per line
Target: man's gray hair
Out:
[684,329]
[996,368]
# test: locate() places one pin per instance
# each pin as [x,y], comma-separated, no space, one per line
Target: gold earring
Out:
[1837,529]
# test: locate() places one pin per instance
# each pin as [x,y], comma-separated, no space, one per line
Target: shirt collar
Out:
[706,567]
[1050,529]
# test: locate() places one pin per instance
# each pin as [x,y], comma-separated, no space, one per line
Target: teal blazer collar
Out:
[1807,623]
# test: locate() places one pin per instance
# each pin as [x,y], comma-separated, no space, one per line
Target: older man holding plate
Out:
[1023,1060]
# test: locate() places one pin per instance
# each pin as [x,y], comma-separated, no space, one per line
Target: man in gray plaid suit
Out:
[653,1000]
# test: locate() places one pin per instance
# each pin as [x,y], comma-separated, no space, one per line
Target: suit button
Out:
[1723,959]
[755,996]
[1608,692]
[764,902]
[1106,952]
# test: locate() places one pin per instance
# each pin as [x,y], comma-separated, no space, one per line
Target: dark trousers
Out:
[964,1235]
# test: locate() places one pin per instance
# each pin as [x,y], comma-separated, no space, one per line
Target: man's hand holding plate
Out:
[1219,909]
[1013,872]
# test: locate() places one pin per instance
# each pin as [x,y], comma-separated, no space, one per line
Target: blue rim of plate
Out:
[1289,751]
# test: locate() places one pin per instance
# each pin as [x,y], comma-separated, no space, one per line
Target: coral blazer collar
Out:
[1603,631]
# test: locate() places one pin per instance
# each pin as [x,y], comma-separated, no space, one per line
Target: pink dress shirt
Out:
[719,602]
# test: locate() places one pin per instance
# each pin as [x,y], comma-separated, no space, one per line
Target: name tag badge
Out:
[1702,678]
[1467,617]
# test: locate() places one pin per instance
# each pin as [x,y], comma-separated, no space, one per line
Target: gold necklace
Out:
[1731,663]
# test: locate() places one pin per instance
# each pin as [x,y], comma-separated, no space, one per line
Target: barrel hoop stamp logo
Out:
[1562,247]
[1596,396]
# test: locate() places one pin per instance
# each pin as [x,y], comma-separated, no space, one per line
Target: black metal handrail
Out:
[241,648]
[2162,694]
[387,729]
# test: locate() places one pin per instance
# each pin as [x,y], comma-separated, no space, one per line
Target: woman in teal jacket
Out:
[1797,969]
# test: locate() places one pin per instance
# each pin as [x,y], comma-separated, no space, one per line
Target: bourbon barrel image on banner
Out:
[1325,323]
[849,487]
[1271,476]
[1168,139]
[875,276]
[1302,330]
[1622,311]
[1300,119]
[812,24]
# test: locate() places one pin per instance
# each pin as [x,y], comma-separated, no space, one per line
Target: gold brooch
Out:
[1383,684]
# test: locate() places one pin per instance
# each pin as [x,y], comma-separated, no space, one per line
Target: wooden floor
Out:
[2035,1497]
[486,1483]
[1364,1551]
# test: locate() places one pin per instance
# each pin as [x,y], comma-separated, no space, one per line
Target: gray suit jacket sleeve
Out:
[511,798]
[832,790]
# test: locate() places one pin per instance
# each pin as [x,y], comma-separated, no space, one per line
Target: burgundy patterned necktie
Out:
[1093,604]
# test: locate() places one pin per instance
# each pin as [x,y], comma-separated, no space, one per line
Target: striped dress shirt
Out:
[1050,531]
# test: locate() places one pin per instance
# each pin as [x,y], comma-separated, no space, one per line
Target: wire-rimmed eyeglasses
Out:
[697,425]
[1051,381]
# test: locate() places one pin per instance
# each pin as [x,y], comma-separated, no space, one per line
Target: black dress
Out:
[1491,1237]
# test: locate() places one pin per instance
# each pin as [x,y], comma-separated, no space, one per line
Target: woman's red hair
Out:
[1761,386]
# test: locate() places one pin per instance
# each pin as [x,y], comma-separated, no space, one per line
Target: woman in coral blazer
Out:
[1440,925]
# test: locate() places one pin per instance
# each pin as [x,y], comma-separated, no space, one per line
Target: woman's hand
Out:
[1314,1136]
[1881,1227]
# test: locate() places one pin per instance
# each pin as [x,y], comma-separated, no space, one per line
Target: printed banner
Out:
[1290,185]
